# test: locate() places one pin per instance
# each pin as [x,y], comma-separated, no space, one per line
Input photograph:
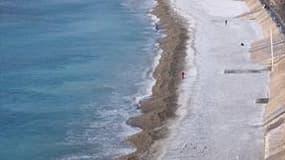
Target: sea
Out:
[71,73]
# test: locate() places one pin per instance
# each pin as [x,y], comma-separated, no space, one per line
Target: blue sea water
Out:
[70,74]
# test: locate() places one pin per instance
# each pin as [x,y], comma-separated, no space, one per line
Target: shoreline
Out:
[162,104]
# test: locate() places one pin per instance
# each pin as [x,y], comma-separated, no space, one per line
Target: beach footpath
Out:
[223,119]
[237,108]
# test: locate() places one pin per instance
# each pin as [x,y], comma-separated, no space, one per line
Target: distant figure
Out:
[183,75]
[242,44]
[226,22]
[265,6]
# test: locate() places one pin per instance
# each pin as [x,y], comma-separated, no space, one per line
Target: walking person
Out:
[182,75]
[226,22]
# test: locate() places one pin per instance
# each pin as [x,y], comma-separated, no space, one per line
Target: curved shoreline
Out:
[162,104]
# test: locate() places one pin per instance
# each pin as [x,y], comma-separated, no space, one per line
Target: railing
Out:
[274,14]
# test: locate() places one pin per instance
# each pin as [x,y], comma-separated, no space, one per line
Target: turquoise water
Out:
[70,75]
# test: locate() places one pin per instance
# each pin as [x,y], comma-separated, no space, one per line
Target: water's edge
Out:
[161,106]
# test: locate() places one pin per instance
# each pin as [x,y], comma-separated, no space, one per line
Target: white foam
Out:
[82,157]
[150,80]
[154,18]
[145,90]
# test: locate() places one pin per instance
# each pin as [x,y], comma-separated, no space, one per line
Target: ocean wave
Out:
[101,131]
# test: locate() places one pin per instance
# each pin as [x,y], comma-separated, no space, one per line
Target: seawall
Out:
[274,117]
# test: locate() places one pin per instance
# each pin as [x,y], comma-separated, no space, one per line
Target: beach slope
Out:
[222,120]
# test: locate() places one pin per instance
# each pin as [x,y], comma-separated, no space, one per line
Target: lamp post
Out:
[272,51]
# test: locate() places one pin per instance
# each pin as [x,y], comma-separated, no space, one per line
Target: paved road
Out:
[223,121]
